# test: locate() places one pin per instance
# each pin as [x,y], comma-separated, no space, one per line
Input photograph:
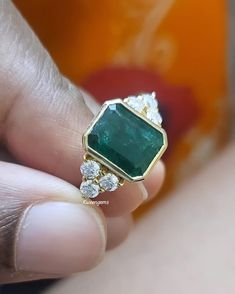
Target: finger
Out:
[131,195]
[154,183]
[118,228]
[43,116]
[45,228]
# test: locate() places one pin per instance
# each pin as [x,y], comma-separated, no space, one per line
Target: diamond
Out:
[136,103]
[150,100]
[89,189]
[154,116]
[109,182]
[90,169]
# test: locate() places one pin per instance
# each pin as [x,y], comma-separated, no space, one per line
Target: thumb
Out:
[45,229]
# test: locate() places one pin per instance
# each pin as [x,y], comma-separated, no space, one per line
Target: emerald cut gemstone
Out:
[125,141]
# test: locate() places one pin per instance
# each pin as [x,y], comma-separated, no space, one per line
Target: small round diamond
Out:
[150,100]
[109,182]
[136,103]
[89,189]
[154,116]
[90,169]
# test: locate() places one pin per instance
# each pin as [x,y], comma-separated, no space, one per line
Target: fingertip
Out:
[118,229]
[59,238]
[129,197]
[154,181]
[123,200]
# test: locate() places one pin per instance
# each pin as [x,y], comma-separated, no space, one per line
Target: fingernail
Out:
[59,238]
[153,182]
[143,190]
[92,105]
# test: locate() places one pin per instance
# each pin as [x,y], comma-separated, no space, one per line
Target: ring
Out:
[122,143]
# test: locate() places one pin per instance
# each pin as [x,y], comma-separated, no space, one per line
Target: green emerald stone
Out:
[125,140]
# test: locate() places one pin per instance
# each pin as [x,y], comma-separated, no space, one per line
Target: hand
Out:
[45,229]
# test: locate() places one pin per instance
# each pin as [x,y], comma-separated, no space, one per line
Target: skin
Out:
[45,228]
[185,245]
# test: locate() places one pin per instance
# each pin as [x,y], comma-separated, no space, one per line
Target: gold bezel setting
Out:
[110,165]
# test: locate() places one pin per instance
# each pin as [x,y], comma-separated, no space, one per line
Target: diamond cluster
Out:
[147,105]
[96,180]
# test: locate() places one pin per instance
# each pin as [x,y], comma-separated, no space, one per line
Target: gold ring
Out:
[122,143]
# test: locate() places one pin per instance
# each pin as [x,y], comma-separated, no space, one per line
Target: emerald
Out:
[124,140]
